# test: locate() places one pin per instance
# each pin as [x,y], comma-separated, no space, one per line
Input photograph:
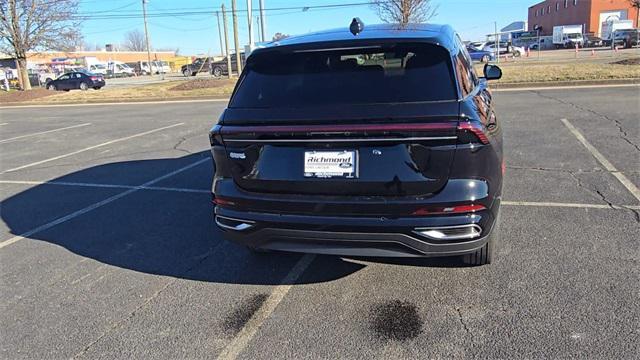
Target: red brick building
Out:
[589,13]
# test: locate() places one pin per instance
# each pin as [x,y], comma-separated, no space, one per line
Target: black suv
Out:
[198,65]
[215,68]
[626,38]
[373,141]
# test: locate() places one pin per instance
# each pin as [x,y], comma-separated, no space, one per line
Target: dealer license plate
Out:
[331,164]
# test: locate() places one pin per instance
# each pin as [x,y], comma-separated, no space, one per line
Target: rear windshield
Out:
[389,74]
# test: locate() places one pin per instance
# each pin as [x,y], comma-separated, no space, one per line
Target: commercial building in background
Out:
[591,14]
[104,56]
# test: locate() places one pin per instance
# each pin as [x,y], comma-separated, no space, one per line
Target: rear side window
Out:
[389,74]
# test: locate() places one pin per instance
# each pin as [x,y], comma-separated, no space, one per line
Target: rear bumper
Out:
[354,236]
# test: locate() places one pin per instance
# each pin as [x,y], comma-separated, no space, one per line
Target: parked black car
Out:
[380,144]
[77,80]
[221,67]
[626,38]
[215,68]
[198,65]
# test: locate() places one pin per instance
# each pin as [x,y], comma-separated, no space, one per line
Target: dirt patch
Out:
[202,84]
[632,61]
[20,96]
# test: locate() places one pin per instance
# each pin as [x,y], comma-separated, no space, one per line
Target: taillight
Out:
[222,202]
[94,78]
[476,129]
[460,209]
[215,136]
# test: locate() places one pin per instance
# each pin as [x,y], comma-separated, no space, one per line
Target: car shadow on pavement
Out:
[163,232]
[168,233]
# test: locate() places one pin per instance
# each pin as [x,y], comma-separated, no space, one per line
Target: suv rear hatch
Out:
[375,120]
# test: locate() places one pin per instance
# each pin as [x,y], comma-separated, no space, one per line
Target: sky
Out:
[198,33]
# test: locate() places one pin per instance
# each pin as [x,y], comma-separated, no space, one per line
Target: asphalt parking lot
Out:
[108,247]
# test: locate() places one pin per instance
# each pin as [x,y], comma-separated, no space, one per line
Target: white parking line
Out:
[202,191]
[107,186]
[91,148]
[241,340]
[43,132]
[3,124]
[97,205]
[565,87]
[568,205]
[602,160]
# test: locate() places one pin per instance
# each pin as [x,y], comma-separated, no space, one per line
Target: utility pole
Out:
[495,24]
[250,24]
[263,28]
[226,42]
[258,26]
[235,36]
[146,35]
[220,33]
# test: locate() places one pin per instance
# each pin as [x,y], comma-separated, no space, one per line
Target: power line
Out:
[210,11]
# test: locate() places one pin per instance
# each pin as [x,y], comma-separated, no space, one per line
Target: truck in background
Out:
[610,27]
[567,36]
[120,69]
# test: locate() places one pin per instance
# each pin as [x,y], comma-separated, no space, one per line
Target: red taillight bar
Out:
[460,209]
[268,129]
[222,202]
[476,129]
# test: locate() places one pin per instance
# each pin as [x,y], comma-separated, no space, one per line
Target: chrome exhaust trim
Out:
[233,224]
[446,233]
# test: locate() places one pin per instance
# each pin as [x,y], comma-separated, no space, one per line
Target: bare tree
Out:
[34,25]
[636,4]
[404,12]
[134,41]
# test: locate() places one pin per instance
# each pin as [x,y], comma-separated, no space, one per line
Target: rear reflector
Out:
[222,202]
[476,129]
[461,209]
[448,233]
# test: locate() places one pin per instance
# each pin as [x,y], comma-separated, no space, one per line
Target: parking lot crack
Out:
[597,192]
[603,197]
[624,135]
[464,324]
[179,143]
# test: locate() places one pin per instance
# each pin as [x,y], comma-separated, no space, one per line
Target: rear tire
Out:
[217,71]
[486,254]
[84,86]
[485,59]
[186,73]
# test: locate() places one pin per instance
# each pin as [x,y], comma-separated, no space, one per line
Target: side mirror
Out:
[492,72]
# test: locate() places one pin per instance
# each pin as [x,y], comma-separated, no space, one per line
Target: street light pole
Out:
[146,35]
[263,27]
[496,43]
[235,36]
[250,24]
[226,42]
[220,33]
